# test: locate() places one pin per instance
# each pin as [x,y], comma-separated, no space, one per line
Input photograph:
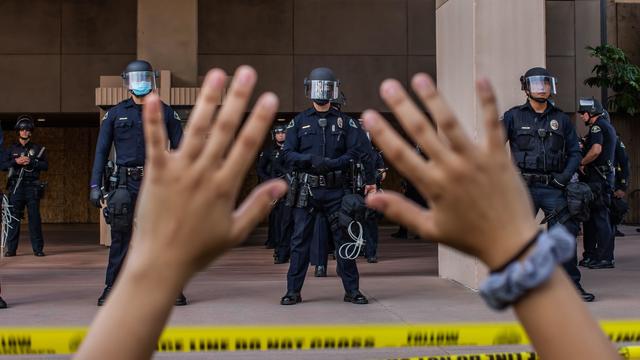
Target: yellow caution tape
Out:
[628,352]
[491,356]
[50,340]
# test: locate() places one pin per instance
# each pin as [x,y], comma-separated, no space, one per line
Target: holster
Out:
[40,187]
[119,210]
[292,192]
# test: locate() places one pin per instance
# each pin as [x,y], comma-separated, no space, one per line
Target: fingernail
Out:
[244,75]
[422,82]
[215,78]
[389,89]
[369,120]
[483,84]
[270,100]
[277,192]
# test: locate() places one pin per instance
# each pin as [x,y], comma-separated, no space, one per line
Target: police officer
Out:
[271,165]
[596,169]
[545,148]
[371,223]
[122,128]
[619,206]
[25,161]
[321,142]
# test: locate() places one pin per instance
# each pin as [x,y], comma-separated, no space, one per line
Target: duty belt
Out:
[331,180]
[136,172]
[531,179]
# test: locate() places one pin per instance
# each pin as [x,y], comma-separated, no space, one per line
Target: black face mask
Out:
[321,102]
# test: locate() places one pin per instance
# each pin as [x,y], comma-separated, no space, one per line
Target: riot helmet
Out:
[591,106]
[139,78]
[538,80]
[321,86]
[25,122]
[279,132]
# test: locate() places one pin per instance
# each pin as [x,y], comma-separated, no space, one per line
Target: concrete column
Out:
[499,39]
[168,38]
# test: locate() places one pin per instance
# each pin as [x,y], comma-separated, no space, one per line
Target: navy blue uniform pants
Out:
[598,236]
[120,244]
[370,228]
[548,198]
[319,252]
[325,201]
[282,224]
[25,195]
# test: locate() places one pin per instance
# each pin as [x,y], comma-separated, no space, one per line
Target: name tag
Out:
[306,126]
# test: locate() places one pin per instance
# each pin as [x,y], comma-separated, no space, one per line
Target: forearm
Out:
[591,156]
[558,323]
[141,303]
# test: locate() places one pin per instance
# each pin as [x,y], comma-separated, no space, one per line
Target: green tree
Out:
[615,72]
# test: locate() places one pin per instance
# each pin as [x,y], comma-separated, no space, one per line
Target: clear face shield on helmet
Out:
[140,83]
[322,90]
[540,84]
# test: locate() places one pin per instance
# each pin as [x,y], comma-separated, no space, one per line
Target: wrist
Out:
[508,243]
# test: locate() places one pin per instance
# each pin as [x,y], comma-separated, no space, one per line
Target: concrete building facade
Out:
[53,52]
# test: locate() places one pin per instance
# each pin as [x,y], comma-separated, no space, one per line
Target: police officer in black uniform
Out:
[3,304]
[545,148]
[321,142]
[619,205]
[122,128]
[371,246]
[271,165]
[596,169]
[25,161]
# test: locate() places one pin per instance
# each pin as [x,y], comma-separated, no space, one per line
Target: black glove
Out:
[320,165]
[95,197]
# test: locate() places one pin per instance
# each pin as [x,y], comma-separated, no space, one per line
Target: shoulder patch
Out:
[291,124]
[105,116]
[176,116]
[595,129]
[352,124]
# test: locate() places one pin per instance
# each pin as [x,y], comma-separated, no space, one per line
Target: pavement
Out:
[244,288]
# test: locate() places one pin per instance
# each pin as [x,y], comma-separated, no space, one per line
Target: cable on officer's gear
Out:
[350,251]
[6,220]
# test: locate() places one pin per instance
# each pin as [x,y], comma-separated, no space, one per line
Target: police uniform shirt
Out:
[543,143]
[601,132]
[621,165]
[271,163]
[304,140]
[37,164]
[122,127]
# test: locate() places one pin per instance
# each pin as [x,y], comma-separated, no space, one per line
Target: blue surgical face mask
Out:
[141,88]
